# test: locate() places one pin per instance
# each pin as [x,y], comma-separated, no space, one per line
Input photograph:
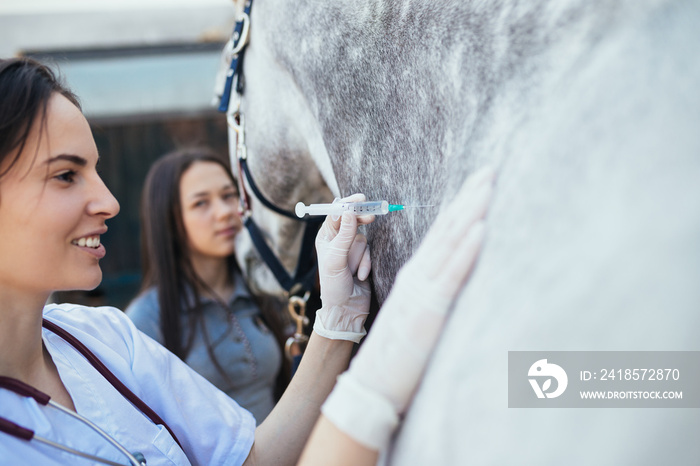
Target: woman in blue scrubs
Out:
[194,300]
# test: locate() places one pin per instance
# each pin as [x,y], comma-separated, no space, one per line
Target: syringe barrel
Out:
[368,208]
[337,208]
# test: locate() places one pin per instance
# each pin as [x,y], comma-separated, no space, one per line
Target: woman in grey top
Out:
[193,299]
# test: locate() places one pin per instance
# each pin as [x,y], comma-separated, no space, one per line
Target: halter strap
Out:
[270,205]
[303,279]
[240,38]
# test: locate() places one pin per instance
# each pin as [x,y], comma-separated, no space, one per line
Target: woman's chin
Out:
[87,283]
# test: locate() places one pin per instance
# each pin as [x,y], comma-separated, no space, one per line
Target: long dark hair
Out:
[25,89]
[166,262]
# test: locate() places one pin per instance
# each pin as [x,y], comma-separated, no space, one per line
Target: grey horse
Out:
[590,111]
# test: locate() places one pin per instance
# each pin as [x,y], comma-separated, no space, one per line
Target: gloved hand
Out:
[343,267]
[369,398]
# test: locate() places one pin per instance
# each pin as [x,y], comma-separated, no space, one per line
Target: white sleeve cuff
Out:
[362,414]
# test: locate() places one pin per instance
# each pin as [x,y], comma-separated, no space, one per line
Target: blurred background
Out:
[144,72]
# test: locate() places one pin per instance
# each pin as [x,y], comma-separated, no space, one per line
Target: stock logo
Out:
[544,371]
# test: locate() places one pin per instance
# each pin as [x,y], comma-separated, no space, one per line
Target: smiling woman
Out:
[93,365]
[59,203]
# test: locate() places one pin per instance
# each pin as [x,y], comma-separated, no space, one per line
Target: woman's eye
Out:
[229,196]
[201,203]
[67,176]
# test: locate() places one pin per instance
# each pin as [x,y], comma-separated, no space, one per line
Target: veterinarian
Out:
[79,381]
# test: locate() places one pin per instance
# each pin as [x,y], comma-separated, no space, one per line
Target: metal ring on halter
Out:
[243,40]
[239,128]
[294,289]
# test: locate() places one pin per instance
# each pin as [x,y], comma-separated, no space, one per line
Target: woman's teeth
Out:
[89,241]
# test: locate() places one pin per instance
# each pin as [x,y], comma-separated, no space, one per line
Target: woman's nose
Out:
[225,209]
[103,202]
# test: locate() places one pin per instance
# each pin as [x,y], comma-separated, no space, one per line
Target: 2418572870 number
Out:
[640,374]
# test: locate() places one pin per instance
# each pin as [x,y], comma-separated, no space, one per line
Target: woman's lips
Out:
[98,252]
[227,232]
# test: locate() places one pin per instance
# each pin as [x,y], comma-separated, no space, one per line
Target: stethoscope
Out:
[22,389]
[9,427]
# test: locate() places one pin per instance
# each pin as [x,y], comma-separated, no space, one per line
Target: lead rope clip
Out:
[297,343]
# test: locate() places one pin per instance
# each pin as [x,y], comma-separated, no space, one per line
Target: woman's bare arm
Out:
[279,440]
[344,265]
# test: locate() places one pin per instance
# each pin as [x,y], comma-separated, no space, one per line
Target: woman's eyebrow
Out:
[199,194]
[70,158]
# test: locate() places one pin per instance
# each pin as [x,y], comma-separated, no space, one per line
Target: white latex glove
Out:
[369,398]
[343,267]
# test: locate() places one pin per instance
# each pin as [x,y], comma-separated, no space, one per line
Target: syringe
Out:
[337,208]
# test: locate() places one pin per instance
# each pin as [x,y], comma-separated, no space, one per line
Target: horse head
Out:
[286,157]
[327,118]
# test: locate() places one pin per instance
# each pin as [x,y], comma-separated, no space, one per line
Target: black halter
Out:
[305,274]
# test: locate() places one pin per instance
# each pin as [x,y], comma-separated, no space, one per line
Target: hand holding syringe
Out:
[358,208]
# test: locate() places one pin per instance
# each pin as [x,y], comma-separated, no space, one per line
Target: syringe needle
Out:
[395,207]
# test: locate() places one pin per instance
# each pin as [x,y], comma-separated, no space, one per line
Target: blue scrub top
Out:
[243,345]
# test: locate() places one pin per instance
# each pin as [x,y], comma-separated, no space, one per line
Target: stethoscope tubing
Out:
[26,434]
[96,428]
[42,398]
[23,389]
[75,452]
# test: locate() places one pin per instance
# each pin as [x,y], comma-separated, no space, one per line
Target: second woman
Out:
[193,299]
